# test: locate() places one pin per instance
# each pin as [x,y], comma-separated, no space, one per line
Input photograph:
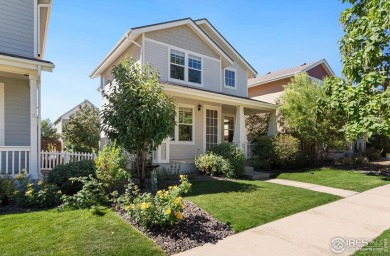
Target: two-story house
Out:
[23,29]
[206,76]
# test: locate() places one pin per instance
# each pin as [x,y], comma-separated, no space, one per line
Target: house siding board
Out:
[183,37]
[157,56]
[16,27]
[16,112]
[211,72]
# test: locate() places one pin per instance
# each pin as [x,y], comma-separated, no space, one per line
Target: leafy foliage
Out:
[7,189]
[61,174]
[48,131]
[82,133]
[111,166]
[138,115]
[91,195]
[212,164]
[234,157]
[256,125]
[35,195]
[163,209]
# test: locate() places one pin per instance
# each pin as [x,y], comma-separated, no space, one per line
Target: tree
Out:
[257,126]
[137,115]
[48,131]
[362,97]
[82,133]
[300,106]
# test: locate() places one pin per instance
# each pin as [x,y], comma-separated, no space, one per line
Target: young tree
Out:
[257,126]
[48,131]
[362,98]
[137,115]
[82,133]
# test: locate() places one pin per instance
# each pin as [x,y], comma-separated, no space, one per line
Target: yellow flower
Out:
[179,200]
[29,185]
[168,211]
[18,176]
[160,193]
[179,215]
[16,192]
[40,183]
[28,193]
[59,192]
[145,205]
[182,206]
[181,176]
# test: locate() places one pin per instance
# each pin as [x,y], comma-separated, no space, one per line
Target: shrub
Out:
[92,194]
[263,151]
[35,195]
[234,156]
[285,148]
[211,164]
[111,166]
[163,209]
[7,188]
[61,174]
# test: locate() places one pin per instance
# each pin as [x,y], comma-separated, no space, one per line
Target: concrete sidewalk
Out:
[314,187]
[362,216]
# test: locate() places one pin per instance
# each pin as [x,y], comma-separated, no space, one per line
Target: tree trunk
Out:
[141,168]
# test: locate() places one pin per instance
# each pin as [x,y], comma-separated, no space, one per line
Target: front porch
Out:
[205,119]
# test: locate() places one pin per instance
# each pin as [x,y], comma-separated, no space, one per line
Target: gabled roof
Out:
[85,102]
[223,39]
[290,72]
[133,33]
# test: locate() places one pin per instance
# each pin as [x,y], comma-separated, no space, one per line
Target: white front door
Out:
[212,127]
[161,155]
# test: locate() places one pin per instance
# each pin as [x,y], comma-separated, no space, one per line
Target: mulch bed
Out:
[197,228]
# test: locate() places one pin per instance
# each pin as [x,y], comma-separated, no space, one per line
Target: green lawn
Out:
[376,247]
[246,204]
[71,233]
[343,179]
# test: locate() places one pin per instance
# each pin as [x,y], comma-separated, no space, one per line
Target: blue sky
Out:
[270,34]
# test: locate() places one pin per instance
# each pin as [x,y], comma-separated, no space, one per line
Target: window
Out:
[185,67]
[230,78]
[194,69]
[211,128]
[177,64]
[228,129]
[185,124]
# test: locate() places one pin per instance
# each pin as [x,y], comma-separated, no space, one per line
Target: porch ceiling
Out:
[224,99]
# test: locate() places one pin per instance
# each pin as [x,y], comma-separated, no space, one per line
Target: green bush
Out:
[92,194]
[279,151]
[163,209]
[234,156]
[111,166]
[35,195]
[7,189]
[211,164]
[61,174]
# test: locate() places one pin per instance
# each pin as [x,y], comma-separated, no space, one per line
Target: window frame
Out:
[235,78]
[176,139]
[186,67]
[223,128]
[183,66]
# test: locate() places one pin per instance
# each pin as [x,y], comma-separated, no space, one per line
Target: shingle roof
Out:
[282,73]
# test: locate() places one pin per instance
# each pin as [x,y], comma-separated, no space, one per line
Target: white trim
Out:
[143,49]
[35,24]
[25,63]
[176,141]
[220,75]
[203,21]
[186,67]
[235,78]
[2,122]
[219,113]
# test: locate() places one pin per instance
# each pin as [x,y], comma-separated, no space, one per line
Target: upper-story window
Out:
[230,78]
[185,67]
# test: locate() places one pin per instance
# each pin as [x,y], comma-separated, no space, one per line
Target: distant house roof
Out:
[286,73]
[85,102]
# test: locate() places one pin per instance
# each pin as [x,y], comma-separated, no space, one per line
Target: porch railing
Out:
[49,160]
[13,159]
[247,148]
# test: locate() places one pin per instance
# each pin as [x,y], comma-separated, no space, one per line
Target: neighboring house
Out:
[206,76]
[61,121]
[23,29]
[269,87]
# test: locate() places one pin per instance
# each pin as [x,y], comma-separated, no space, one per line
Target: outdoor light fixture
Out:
[199,107]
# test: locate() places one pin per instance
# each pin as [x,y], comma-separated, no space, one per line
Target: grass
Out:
[343,179]
[376,247]
[71,233]
[246,204]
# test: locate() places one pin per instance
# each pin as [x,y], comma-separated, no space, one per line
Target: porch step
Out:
[253,175]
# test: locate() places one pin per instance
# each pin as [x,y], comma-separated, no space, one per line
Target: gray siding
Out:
[157,55]
[16,112]
[242,82]
[182,37]
[17,27]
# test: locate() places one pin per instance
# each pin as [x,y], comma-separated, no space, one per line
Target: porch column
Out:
[272,125]
[34,154]
[239,137]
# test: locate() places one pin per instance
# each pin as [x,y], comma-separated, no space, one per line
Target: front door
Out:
[212,127]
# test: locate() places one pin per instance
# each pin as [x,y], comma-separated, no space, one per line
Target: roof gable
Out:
[74,110]
[290,72]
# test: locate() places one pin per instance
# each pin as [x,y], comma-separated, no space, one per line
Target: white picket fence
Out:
[49,160]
